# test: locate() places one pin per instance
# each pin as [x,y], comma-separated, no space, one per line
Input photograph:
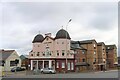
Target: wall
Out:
[12,57]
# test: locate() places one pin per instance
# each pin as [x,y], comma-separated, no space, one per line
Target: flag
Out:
[70,20]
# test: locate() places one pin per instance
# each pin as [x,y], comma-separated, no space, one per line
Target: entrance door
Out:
[101,67]
[46,64]
[34,65]
[40,65]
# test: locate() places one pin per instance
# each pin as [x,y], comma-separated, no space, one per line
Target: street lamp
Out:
[66,44]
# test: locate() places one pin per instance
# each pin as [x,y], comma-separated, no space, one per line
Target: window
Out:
[94,45]
[63,65]
[38,54]
[38,46]
[31,54]
[83,60]
[43,54]
[95,60]
[57,64]
[94,52]
[57,53]
[62,42]
[57,42]
[83,52]
[50,53]
[72,66]
[68,66]
[12,63]
[63,52]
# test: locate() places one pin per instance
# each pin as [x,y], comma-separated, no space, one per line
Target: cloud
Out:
[23,20]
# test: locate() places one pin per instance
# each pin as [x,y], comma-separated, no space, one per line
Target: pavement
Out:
[97,74]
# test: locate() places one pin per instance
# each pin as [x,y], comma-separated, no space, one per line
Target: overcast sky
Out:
[21,22]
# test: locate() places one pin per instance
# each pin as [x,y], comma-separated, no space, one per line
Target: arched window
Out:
[31,54]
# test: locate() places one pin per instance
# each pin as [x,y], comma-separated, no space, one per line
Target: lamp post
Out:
[66,45]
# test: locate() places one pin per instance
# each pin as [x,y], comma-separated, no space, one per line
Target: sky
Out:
[20,22]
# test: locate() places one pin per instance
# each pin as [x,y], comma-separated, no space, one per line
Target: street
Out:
[100,74]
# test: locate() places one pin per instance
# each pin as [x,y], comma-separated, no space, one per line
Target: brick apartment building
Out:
[80,57]
[101,49]
[111,53]
[91,53]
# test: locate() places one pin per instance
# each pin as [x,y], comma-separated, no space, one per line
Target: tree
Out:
[3,62]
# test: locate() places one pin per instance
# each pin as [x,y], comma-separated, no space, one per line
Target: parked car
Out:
[48,70]
[17,69]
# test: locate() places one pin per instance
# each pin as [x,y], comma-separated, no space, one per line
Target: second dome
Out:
[62,34]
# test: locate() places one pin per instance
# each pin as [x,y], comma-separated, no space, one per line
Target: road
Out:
[107,74]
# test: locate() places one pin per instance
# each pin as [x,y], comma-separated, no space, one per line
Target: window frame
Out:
[63,65]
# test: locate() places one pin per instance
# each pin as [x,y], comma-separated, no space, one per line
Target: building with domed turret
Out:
[52,52]
[66,55]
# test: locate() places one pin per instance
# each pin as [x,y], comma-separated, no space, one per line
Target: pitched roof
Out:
[76,45]
[6,53]
[49,37]
[23,57]
[87,41]
[109,47]
[100,43]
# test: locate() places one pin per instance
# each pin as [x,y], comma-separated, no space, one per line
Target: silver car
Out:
[48,70]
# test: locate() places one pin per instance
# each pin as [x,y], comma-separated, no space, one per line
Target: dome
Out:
[38,38]
[62,34]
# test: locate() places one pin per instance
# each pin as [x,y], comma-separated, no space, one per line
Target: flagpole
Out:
[66,46]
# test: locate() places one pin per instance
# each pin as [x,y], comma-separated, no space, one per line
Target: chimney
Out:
[48,34]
